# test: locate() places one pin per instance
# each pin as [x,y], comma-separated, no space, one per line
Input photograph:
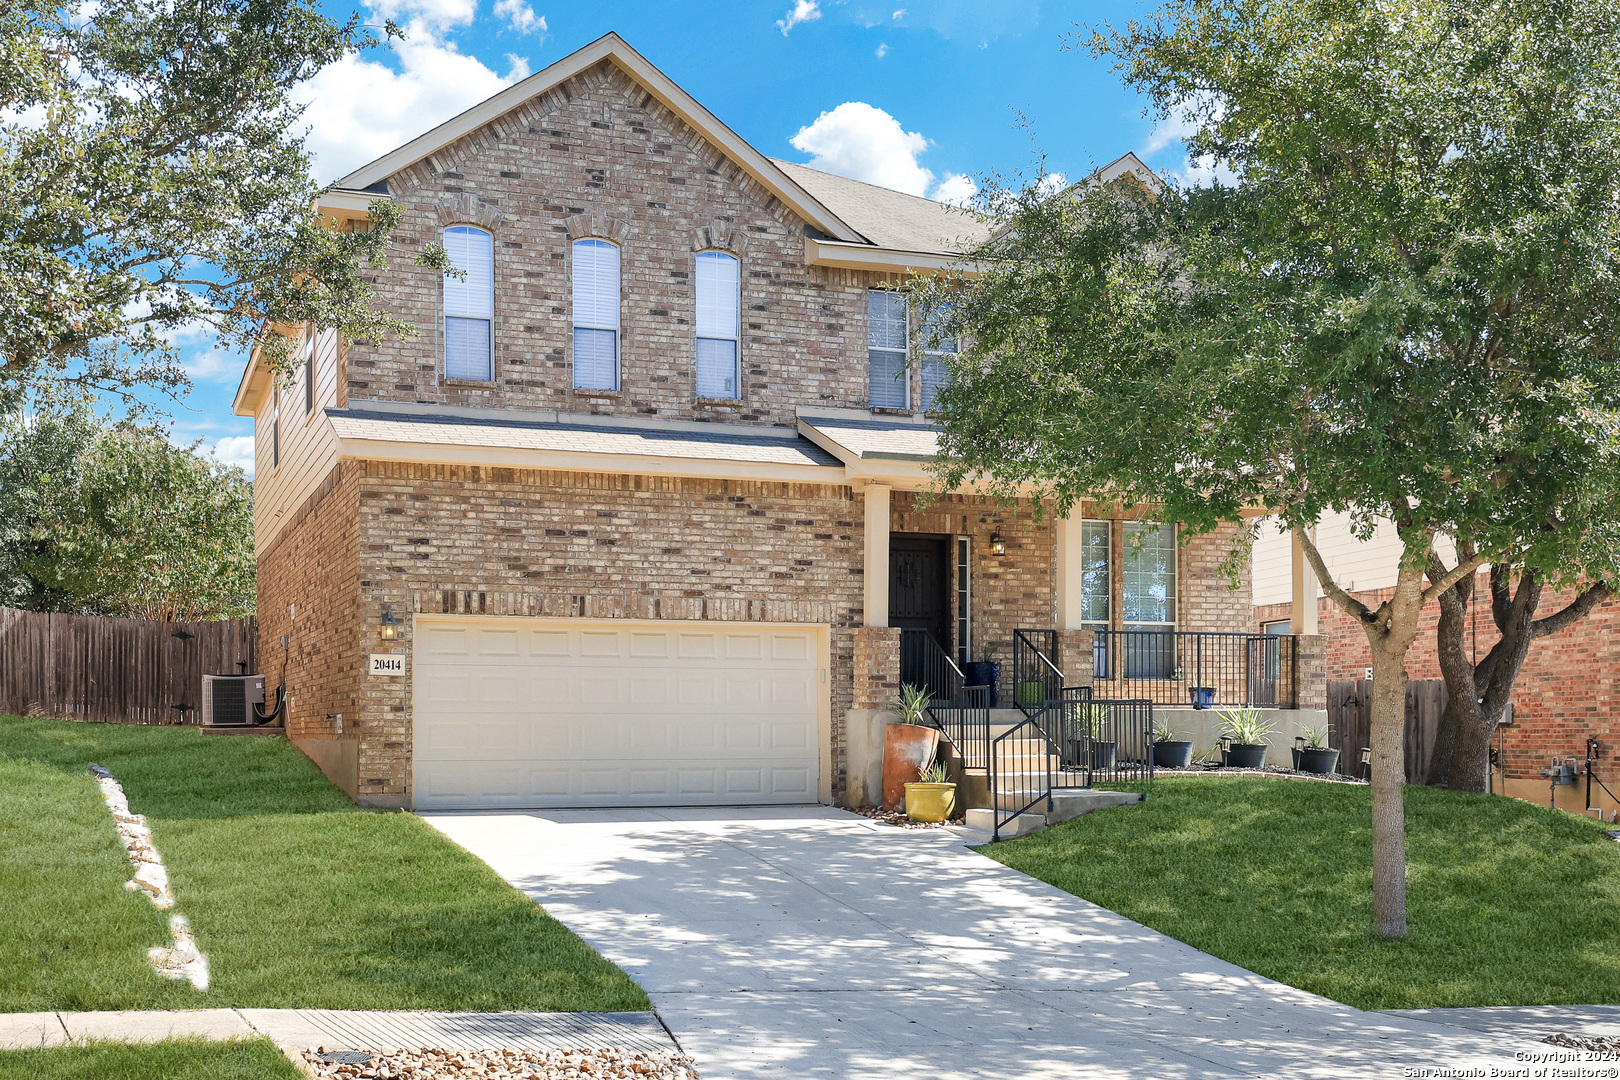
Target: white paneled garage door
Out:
[591,712]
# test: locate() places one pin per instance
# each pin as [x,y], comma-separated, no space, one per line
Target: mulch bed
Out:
[1275,771]
[389,1063]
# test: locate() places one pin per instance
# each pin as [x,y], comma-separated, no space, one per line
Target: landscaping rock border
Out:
[899,820]
[429,1063]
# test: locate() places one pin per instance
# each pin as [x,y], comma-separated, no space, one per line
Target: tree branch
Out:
[1463,568]
[1576,609]
[1349,603]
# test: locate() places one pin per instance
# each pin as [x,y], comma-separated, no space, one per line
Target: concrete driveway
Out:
[808,942]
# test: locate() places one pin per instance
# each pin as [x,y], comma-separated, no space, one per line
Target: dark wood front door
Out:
[920,585]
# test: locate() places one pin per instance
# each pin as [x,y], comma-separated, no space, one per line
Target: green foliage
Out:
[1245,725]
[113,519]
[1512,903]
[172,1059]
[1315,738]
[153,180]
[1162,731]
[934,773]
[1403,301]
[299,899]
[912,708]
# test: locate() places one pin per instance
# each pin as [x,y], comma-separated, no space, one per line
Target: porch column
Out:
[876,569]
[1069,578]
[1302,619]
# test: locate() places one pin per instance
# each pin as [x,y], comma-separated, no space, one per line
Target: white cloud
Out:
[520,16]
[236,450]
[214,365]
[1051,184]
[882,51]
[803,11]
[1184,121]
[956,188]
[434,13]
[360,109]
[863,142]
[898,15]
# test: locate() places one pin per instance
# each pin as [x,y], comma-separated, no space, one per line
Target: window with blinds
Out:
[469,305]
[596,315]
[718,299]
[887,331]
[309,374]
[939,349]
[1149,600]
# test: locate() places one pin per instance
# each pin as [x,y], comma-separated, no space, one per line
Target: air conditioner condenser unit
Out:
[228,700]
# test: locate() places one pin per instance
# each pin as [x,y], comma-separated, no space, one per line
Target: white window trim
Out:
[736,341]
[445,314]
[575,323]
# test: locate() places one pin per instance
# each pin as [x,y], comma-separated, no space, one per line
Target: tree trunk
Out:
[1388,775]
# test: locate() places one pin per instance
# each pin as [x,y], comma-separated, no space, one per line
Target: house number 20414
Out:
[387,664]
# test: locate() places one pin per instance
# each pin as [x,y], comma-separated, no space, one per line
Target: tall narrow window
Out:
[1149,599]
[275,428]
[596,315]
[887,331]
[469,305]
[1096,586]
[964,599]
[939,350]
[309,373]
[718,283]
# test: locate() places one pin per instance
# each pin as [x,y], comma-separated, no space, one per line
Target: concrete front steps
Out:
[979,824]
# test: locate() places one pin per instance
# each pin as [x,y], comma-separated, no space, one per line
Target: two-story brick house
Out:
[637,507]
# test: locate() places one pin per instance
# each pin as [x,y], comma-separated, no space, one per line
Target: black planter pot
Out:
[1317,759]
[1103,755]
[1172,755]
[1244,756]
[983,673]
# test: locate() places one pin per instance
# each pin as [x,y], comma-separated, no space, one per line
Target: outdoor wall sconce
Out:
[998,546]
[390,626]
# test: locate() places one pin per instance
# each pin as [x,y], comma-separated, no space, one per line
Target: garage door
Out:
[549,713]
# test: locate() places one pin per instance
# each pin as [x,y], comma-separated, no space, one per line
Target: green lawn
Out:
[1509,903]
[299,899]
[179,1059]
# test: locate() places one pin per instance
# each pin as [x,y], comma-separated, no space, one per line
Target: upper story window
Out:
[718,281]
[888,329]
[596,315]
[309,373]
[469,305]
[938,352]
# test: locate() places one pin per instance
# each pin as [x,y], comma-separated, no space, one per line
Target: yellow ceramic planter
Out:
[930,802]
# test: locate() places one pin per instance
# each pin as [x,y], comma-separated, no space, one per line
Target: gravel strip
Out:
[392,1063]
[898,819]
[1607,1045]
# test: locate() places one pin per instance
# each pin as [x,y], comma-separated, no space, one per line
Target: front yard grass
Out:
[1509,903]
[299,899]
[177,1059]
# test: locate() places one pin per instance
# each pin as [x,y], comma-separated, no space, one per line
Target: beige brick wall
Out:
[876,667]
[589,545]
[1209,602]
[598,156]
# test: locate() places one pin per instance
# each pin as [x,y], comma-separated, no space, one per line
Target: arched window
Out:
[596,315]
[469,305]
[718,281]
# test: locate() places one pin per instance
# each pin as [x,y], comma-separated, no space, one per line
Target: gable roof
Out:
[611,47]
[889,218]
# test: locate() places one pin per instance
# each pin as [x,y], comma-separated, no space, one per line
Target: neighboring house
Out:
[635,519]
[1565,694]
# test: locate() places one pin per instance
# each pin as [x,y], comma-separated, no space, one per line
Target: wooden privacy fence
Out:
[88,667]
[1350,723]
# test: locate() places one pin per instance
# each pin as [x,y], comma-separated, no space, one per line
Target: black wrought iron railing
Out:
[1076,741]
[961,712]
[1037,679]
[1203,670]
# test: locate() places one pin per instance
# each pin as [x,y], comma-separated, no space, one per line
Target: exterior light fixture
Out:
[1299,742]
[998,546]
[390,626]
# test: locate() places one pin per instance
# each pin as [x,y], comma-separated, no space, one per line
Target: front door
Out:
[920,585]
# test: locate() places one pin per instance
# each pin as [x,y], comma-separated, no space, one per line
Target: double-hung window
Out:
[939,350]
[1149,599]
[888,329]
[596,315]
[1096,585]
[718,298]
[469,305]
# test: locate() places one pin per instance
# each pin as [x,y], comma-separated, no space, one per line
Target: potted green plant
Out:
[1104,751]
[986,671]
[932,796]
[1246,729]
[1168,751]
[1030,694]
[912,706]
[1316,756]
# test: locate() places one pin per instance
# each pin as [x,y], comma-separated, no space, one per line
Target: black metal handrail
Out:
[961,712]
[1204,670]
[1036,677]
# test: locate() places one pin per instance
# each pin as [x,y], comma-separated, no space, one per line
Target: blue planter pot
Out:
[982,673]
[1202,696]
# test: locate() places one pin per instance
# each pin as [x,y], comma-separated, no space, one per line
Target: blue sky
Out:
[920,96]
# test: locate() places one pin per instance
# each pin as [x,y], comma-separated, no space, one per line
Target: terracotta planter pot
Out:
[907,749]
[930,802]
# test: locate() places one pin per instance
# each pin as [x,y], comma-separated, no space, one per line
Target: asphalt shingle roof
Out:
[891,219]
[728,445]
[879,439]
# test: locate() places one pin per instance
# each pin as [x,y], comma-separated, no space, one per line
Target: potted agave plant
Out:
[1168,751]
[932,796]
[1245,731]
[1316,756]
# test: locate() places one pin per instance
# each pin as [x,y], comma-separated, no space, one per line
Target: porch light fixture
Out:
[390,626]
[998,546]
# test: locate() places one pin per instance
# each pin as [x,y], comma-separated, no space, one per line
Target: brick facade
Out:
[1565,693]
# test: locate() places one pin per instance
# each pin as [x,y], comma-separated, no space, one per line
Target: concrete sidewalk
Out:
[304,1029]
[808,942]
